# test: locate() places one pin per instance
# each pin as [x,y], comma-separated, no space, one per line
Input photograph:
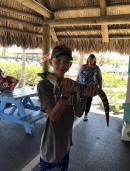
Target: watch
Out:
[64,97]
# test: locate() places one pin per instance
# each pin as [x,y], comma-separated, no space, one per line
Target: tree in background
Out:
[23,75]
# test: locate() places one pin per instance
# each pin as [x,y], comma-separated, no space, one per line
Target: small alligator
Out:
[79,89]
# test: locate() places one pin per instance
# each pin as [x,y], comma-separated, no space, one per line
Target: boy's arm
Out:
[56,112]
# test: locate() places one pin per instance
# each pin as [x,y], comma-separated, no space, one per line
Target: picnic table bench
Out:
[20,99]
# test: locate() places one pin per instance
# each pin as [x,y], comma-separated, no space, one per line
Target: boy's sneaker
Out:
[85,118]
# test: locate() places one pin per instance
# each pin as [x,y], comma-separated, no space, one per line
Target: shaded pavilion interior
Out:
[84,25]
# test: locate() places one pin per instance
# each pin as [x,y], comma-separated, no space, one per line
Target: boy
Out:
[60,109]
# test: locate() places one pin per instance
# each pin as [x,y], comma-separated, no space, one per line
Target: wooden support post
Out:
[80,62]
[126,105]
[126,119]
[46,44]
[104,28]
[23,72]
[128,85]
[53,34]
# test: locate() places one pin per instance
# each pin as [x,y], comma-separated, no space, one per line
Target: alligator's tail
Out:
[105,104]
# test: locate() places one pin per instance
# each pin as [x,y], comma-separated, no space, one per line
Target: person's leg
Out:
[88,105]
[41,165]
[45,166]
[65,163]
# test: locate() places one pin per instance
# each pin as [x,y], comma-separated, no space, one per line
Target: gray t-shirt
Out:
[57,136]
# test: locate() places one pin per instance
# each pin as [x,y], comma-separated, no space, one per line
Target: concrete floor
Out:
[95,146]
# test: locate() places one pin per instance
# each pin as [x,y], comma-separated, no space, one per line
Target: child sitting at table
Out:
[8,83]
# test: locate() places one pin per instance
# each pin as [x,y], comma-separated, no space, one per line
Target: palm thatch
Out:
[85,25]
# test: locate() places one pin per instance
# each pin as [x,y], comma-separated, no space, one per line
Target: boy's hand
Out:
[91,90]
[67,86]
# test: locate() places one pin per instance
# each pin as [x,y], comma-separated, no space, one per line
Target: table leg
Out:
[13,110]
[21,110]
[2,107]
[28,129]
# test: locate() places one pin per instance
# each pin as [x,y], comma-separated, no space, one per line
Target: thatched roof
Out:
[87,25]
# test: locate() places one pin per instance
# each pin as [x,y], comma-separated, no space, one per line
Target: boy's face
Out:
[60,64]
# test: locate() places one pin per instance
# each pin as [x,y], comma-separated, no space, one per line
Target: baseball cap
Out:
[61,49]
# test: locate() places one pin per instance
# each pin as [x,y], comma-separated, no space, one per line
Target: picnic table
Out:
[20,99]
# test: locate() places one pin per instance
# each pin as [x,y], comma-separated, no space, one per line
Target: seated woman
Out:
[7,84]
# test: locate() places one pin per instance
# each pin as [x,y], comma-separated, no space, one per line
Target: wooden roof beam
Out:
[89,31]
[105,37]
[18,21]
[89,11]
[113,19]
[37,7]
[3,29]
[53,34]
[91,37]
[21,13]
[105,26]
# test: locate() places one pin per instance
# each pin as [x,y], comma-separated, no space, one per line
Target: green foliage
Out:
[116,98]
[11,69]
[31,74]
[76,58]
[114,86]
[113,80]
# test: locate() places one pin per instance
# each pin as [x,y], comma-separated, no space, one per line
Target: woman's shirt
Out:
[88,75]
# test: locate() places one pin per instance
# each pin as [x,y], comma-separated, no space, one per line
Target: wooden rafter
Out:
[28,24]
[37,7]
[21,13]
[85,11]
[92,37]
[104,27]
[120,9]
[20,31]
[113,33]
[89,11]
[101,20]
[53,34]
